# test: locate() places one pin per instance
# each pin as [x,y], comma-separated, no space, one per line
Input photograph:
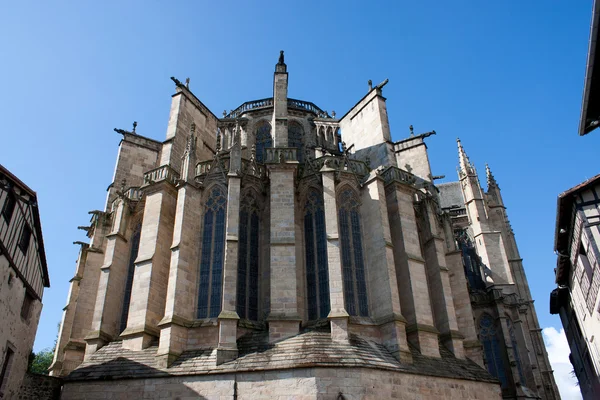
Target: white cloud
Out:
[558,353]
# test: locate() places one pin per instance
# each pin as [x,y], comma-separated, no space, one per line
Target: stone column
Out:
[338,316]
[284,320]
[151,276]
[384,298]
[183,275]
[410,271]
[228,318]
[439,282]
[111,286]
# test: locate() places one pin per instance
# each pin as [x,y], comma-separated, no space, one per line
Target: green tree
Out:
[40,361]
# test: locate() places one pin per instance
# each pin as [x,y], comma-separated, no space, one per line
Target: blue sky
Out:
[506,77]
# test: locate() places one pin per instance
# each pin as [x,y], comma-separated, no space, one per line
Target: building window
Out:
[133,253]
[295,134]
[471,261]
[315,247]
[263,140]
[488,335]
[6,365]
[247,280]
[515,349]
[25,238]
[26,306]
[213,246]
[355,286]
[9,206]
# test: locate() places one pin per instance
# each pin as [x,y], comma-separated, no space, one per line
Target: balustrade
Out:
[280,154]
[268,102]
[162,173]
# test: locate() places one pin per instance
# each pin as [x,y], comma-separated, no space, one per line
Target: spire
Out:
[465,165]
[491,181]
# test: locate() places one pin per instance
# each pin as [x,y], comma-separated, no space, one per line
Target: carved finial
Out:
[281,57]
[193,128]
[491,181]
[408,167]
[224,113]
[123,183]
[134,126]
[332,114]
[412,130]
[253,153]
[344,148]
[187,83]
[370,82]
[463,160]
[218,149]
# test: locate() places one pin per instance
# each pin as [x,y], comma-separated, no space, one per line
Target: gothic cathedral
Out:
[280,251]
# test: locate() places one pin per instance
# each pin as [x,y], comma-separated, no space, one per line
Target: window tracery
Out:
[488,334]
[355,286]
[264,140]
[315,247]
[133,253]
[211,263]
[248,247]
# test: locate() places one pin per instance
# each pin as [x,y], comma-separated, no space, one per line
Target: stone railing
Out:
[307,106]
[134,193]
[250,105]
[162,173]
[457,212]
[280,154]
[204,167]
[268,102]
[337,163]
[395,174]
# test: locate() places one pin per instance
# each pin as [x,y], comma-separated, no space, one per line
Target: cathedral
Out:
[280,251]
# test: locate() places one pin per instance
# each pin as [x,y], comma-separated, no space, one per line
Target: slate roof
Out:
[306,350]
[450,195]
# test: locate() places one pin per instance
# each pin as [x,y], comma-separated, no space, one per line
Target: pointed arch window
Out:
[488,334]
[211,262]
[247,280]
[295,134]
[471,261]
[353,267]
[515,348]
[133,253]
[329,137]
[315,252]
[263,140]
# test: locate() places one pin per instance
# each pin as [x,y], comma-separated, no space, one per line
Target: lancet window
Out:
[211,261]
[515,348]
[355,286]
[295,134]
[471,261]
[248,245]
[488,335]
[133,253]
[315,247]
[263,140]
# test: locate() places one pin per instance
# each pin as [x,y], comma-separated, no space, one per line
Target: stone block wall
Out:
[39,387]
[298,384]
[16,333]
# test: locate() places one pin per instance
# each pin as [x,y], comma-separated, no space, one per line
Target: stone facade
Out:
[23,277]
[282,239]
[577,297]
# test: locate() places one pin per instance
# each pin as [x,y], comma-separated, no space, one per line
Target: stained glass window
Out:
[515,348]
[488,334]
[247,280]
[315,251]
[263,140]
[211,261]
[353,268]
[295,134]
[133,253]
